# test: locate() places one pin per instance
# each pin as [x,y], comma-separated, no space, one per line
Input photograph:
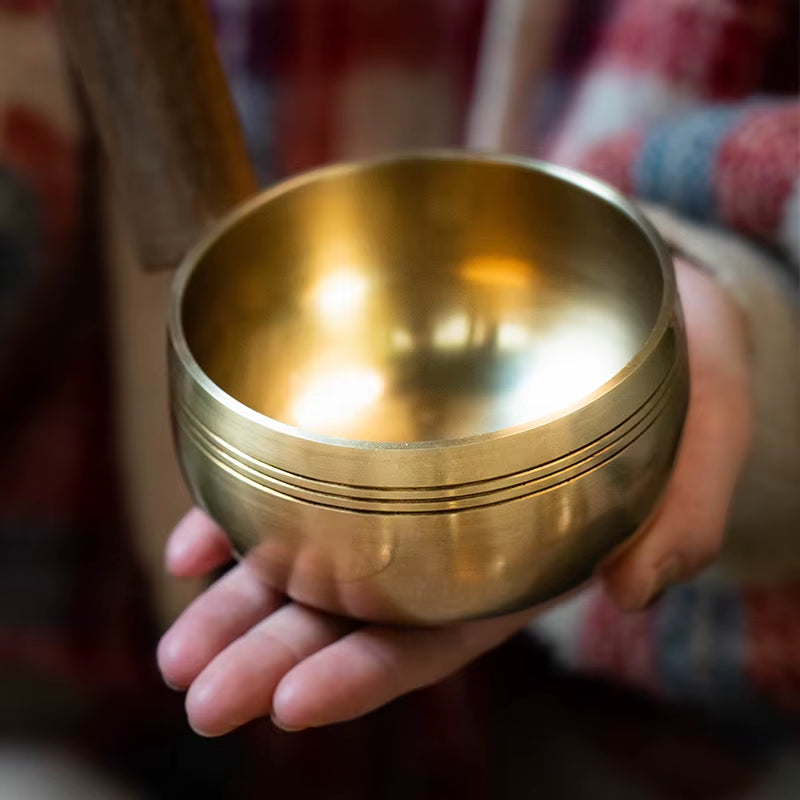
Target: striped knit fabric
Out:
[732,648]
[733,165]
[673,107]
[317,81]
[654,60]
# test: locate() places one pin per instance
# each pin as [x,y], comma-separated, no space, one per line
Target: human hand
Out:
[244,651]
[686,533]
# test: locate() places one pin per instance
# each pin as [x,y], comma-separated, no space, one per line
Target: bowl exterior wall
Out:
[441,566]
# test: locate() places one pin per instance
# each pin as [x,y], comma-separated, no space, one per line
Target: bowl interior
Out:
[421,299]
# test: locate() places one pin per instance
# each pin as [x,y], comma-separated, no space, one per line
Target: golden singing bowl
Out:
[429,387]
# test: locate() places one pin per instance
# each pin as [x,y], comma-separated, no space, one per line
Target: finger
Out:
[688,530]
[238,684]
[235,603]
[196,546]
[374,665]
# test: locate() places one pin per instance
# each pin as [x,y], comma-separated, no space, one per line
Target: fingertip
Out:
[325,689]
[284,726]
[202,714]
[214,702]
[172,660]
[202,733]
[196,546]
[175,557]
[288,712]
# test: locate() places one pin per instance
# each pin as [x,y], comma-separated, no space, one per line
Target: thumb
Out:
[687,532]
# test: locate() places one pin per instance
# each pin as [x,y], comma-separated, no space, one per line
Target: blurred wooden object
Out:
[155,492]
[160,100]
[516,49]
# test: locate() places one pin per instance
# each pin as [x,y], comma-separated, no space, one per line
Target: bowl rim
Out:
[230,220]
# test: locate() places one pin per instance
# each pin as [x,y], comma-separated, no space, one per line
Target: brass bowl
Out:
[428,387]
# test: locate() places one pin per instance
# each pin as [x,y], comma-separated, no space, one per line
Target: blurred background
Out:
[688,104]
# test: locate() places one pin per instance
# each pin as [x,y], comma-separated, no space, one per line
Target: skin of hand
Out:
[243,650]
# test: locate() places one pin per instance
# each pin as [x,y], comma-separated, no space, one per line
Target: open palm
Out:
[244,650]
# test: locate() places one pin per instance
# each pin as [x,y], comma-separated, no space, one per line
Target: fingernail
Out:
[667,572]
[174,687]
[654,600]
[216,734]
[200,732]
[283,726]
